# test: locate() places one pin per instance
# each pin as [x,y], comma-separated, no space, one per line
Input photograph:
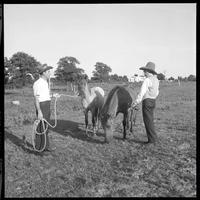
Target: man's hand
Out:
[56,95]
[133,105]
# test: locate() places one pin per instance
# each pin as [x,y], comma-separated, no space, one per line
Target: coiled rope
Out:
[43,121]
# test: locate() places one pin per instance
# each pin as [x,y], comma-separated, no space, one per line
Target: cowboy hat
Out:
[43,68]
[150,67]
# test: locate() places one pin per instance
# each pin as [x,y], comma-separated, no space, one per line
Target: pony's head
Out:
[108,112]
[107,125]
[82,84]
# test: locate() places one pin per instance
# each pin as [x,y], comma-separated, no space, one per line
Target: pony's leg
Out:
[131,119]
[135,117]
[98,120]
[97,123]
[124,124]
[127,121]
[108,130]
[94,121]
[86,121]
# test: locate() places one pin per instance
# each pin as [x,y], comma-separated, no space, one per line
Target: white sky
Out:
[123,36]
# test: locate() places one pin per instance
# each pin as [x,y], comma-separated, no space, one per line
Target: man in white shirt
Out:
[41,92]
[147,95]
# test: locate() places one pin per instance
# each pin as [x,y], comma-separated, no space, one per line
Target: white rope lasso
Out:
[37,122]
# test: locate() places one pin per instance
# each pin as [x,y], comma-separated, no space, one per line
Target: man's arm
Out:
[142,92]
[37,105]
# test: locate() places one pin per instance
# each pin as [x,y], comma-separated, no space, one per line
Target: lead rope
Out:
[37,122]
[135,108]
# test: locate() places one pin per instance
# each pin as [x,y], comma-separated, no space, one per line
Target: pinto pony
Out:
[118,101]
[92,100]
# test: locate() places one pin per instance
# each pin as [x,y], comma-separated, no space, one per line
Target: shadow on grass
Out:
[72,129]
[119,138]
[28,147]
[130,140]
[138,141]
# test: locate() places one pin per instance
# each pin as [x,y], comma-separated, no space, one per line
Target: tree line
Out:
[18,68]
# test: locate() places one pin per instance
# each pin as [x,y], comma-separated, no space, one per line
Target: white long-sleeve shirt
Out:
[149,89]
[41,90]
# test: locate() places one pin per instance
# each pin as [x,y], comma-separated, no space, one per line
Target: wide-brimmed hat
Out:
[43,68]
[150,67]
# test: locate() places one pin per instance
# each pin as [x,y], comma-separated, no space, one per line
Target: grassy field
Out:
[84,166]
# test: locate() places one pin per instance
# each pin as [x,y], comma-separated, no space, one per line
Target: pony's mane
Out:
[110,105]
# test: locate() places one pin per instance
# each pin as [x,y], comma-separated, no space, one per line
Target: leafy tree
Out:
[185,79]
[191,78]
[161,76]
[125,78]
[114,77]
[171,79]
[67,71]
[101,71]
[21,64]
[180,78]
[94,79]
[8,70]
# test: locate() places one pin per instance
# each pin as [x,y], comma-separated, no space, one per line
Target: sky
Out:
[123,36]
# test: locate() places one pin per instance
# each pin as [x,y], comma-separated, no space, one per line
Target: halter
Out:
[131,109]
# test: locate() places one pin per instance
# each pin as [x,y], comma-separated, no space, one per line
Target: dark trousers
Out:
[148,106]
[40,139]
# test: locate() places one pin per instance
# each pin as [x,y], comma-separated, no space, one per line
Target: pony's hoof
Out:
[94,135]
[86,132]
[106,141]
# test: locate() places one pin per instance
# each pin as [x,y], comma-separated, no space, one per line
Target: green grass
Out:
[84,166]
